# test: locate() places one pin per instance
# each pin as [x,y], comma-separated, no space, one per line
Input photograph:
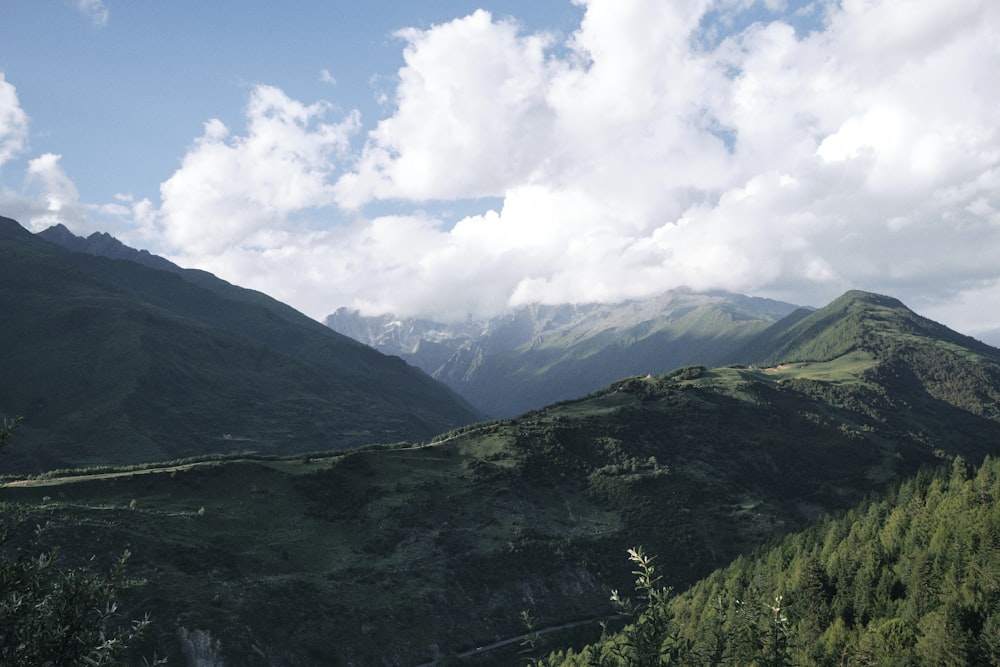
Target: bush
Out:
[54,615]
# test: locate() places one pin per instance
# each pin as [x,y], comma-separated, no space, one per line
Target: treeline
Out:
[249,456]
[910,579]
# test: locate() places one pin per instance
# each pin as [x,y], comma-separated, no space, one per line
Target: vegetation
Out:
[435,548]
[912,578]
[857,320]
[51,614]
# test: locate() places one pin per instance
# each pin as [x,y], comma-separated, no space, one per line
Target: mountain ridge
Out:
[847,317]
[413,552]
[103,244]
[539,354]
[109,355]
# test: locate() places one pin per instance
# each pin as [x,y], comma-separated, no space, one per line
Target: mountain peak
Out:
[861,299]
[103,244]
[61,230]
[10,228]
[856,320]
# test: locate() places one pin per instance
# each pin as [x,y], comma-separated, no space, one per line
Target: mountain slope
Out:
[919,362]
[909,578]
[110,361]
[537,355]
[855,321]
[101,244]
[400,555]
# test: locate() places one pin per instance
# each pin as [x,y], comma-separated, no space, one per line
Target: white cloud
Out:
[795,164]
[471,116]
[57,188]
[633,157]
[13,123]
[95,10]
[48,197]
[238,190]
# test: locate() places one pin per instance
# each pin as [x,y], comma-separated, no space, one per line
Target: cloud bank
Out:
[715,145]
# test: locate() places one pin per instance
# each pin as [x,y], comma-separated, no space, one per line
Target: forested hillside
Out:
[911,578]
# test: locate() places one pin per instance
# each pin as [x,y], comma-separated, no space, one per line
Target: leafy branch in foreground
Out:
[54,615]
[51,615]
[650,638]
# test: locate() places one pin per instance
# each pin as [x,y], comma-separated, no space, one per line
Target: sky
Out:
[456,158]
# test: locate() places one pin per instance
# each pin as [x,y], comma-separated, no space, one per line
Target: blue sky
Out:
[454,158]
[131,88]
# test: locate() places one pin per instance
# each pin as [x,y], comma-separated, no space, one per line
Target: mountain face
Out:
[537,355]
[400,555]
[111,362]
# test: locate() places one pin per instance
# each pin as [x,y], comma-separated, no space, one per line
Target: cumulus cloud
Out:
[13,123]
[57,189]
[471,116]
[233,190]
[48,197]
[796,164]
[647,150]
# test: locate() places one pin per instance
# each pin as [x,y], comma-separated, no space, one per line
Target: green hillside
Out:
[912,578]
[409,554]
[112,362]
[856,321]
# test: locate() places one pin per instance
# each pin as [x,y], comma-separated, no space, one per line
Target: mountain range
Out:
[132,359]
[419,553]
[539,354]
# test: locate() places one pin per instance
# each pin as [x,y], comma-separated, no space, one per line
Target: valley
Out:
[537,355]
[365,544]
[440,544]
[579,333]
